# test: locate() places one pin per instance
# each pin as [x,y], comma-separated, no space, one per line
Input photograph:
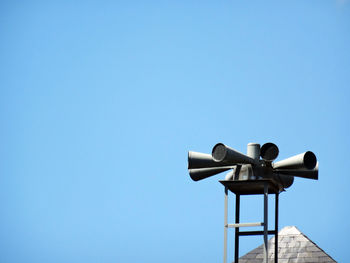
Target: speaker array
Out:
[258,161]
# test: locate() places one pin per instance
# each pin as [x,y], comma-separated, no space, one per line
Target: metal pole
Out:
[225,227]
[276,227]
[266,195]
[237,228]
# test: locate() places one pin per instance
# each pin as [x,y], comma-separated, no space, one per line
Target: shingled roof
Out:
[293,246]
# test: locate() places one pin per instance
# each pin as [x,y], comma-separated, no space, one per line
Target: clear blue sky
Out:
[101,100]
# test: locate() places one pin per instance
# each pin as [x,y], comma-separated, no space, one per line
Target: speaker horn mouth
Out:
[269,151]
[310,160]
[219,152]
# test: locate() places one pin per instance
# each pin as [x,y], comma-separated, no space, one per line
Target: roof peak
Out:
[289,230]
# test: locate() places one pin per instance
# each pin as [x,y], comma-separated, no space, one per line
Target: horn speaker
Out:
[224,154]
[305,160]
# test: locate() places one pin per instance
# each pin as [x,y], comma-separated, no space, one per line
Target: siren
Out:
[201,160]
[305,160]
[269,151]
[250,167]
[224,154]
[202,173]
[304,173]
[202,165]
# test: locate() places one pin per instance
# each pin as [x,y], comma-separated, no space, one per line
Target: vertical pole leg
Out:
[266,196]
[225,227]
[276,228]
[237,229]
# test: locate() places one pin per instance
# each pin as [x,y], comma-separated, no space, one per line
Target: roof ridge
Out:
[315,245]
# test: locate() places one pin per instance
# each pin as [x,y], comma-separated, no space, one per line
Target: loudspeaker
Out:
[202,173]
[224,154]
[304,173]
[269,151]
[201,160]
[305,160]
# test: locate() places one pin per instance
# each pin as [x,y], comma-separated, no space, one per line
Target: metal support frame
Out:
[237,225]
[238,201]
[266,224]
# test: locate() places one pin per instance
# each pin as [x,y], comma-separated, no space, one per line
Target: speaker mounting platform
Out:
[251,187]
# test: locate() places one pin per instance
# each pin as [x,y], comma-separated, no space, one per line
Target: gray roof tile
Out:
[293,247]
